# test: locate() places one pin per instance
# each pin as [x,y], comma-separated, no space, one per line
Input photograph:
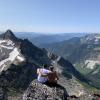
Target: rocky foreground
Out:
[3,95]
[38,91]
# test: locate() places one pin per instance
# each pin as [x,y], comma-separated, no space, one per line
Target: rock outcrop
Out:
[3,95]
[38,91]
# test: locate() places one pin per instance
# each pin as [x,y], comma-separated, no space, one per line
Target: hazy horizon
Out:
[50,33]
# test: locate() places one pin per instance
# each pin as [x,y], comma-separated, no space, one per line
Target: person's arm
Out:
[57,76]
[44,75]
[39,72]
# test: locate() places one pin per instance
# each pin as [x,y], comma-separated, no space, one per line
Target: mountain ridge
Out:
[83,52]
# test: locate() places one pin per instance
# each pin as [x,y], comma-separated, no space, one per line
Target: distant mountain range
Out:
[83,52]
[41,38]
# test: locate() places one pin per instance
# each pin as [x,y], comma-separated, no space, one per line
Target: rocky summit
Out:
[38,91]
[8,35]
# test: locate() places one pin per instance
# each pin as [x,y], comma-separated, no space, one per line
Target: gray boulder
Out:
[38,91]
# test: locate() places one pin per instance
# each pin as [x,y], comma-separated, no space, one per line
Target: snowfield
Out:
[6,44]
[14,53]
[6,47]
[11,58]
[91,63]
[20,58]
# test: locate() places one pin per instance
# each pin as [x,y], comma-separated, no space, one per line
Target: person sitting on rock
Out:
[42,74]
[52,76]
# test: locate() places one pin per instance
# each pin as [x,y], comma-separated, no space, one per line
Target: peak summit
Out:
[8,35]
[9,32]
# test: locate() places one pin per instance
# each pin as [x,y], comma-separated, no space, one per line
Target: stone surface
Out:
[38,91]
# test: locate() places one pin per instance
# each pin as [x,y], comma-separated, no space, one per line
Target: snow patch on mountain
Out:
[20,58]
[11,57]
[14,53]
[6,47]
[97,37]
[2,41]
[6,44]
[95,72]
[91,63]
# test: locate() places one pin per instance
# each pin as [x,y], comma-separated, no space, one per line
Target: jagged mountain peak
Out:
[8,35]
[9,31]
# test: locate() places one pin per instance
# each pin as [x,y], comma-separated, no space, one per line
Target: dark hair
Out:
[51,68]
[45,66]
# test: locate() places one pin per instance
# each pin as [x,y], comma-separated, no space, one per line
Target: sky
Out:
[50,16]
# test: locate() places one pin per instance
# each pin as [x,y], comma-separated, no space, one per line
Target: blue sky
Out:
[52,16]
